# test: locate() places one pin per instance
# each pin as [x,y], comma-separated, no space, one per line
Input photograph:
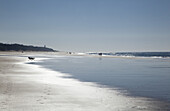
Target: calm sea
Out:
[143,77]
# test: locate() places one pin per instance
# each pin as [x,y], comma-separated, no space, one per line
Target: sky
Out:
[87,25]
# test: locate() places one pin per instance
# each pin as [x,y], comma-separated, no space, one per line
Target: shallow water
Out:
[143,77]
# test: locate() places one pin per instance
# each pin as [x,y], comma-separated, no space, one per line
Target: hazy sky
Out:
[87,25]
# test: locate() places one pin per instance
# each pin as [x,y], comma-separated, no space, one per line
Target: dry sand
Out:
[26,87]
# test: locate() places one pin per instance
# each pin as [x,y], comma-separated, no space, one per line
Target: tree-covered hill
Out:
[21,47]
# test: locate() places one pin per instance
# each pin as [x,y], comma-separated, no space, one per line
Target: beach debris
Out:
[31,58]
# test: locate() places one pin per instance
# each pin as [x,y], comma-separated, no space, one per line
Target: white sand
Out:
[26,87]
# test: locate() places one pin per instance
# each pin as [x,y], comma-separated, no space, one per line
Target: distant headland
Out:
[21,47]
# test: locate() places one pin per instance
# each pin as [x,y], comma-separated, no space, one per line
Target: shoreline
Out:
[36,53]
[30,87]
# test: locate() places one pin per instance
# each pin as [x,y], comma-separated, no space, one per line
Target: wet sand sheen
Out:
[26,87]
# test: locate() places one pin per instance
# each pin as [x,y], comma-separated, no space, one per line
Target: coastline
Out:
[62,53]
[30,87]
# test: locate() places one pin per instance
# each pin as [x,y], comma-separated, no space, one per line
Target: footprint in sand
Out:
[46,92]
[40,100]
[3,105]
[41,103]
[47,89]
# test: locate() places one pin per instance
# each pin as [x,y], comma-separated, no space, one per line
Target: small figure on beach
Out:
[31,58]
[100,54]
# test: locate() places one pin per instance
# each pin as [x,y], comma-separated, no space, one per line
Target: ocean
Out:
[138,77]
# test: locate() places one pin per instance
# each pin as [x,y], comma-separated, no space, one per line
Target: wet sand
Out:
[26,87]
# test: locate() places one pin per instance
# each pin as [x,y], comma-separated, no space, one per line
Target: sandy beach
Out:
[27,87]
